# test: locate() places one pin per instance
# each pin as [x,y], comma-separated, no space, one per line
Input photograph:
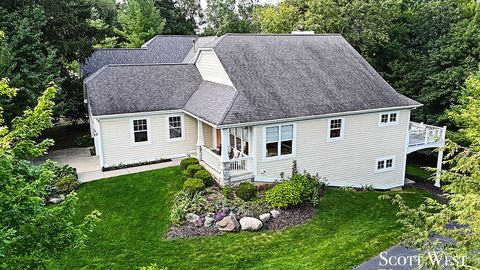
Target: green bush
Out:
[299,188]
[185,203]
[193,185]
[187,162]
[246,191]
[205,176]
[227,191]
[65,172]
[67,184]
[283,195]
[192,170]
[84,141]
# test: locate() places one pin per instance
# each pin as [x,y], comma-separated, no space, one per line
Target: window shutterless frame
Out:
[385,164]
[335,129]
[137,125]
[175,124]
[388,118]
[279,138]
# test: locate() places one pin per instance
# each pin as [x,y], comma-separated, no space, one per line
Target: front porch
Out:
[231,163]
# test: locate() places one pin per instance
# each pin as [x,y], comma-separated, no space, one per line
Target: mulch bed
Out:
[429,187]
[288,217]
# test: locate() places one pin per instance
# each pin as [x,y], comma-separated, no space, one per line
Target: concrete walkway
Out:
[88,168]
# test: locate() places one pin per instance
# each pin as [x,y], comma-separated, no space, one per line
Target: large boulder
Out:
[275,213]
[250,224]
[209,221]
[228,224]
[191,217]
[265,217]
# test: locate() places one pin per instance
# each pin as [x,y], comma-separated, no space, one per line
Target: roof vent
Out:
[300,31]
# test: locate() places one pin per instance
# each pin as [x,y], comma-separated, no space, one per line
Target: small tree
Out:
[139,21]
[30,232]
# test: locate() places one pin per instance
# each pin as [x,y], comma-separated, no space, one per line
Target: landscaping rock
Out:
[250,224]
[228,224]
[191,217]
[199,222]
[275,213]
[265,217]
[60,198]
[220,216]
[209,221]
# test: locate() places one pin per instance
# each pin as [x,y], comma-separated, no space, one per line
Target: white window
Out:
[384,164]
[175,128]
[388,119]
[336,128]
[279,141]
[140,131]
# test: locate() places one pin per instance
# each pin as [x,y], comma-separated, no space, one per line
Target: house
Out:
[248,105]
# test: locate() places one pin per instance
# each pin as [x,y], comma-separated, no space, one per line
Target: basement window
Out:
[384,164]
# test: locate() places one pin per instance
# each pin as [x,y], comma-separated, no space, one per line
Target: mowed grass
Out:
[418,171]
[348,228]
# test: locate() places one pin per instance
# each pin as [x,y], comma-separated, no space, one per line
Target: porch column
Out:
[224,174]
[440,159]
[439,168]
[200,140]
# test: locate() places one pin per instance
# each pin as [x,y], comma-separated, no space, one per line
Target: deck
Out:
[422,136]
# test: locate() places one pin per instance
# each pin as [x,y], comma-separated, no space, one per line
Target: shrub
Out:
[184,203]
[192,170]
[205,176]
[187,162]
[283,195]
[193,185]
[84,141]
[246,191]
[227,191]
[67,184]
[299,188]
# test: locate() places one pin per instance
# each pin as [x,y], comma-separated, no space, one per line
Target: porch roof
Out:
[211,101]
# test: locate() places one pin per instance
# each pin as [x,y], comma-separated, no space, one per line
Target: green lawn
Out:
[418,171]
[347,229]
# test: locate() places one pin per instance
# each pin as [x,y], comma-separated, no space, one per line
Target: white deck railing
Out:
[422,134]
[212,159]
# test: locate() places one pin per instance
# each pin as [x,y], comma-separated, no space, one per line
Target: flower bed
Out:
[214,210]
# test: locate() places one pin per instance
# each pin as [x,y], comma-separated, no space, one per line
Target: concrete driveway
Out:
[88,168]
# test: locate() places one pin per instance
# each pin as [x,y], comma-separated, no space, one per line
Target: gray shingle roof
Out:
[285,76]
[200,42]
[211,101]
[118,89]
[160,49]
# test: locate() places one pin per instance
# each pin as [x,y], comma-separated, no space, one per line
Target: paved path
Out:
[88,167]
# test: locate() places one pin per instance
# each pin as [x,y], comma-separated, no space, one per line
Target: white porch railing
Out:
[241,165]
[236,166]
[422,134]
[212,159]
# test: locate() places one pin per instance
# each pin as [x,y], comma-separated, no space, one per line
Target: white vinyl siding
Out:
[117,147]
[349,162]
[211,68]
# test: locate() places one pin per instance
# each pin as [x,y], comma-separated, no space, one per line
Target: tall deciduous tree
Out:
[180,16]
[230,16]
[139,21]
[280,19]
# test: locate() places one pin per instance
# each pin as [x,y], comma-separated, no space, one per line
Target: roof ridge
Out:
[299,34]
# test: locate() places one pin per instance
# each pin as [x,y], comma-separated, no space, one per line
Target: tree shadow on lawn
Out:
[347,229]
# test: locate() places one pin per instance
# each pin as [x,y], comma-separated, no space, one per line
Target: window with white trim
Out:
[335,129]
[384,164]
[279,141]
[140,130]
[387,119]
[175,127]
